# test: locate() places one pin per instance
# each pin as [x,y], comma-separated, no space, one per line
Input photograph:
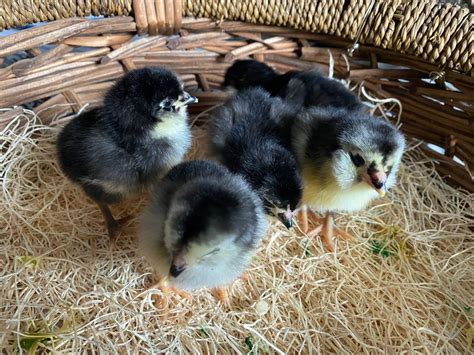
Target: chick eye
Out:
[357,159]
[166,104]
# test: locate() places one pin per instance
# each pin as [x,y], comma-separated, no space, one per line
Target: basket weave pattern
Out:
[430,40]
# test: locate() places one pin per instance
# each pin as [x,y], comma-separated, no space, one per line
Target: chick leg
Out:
[113,225]
[303,214]
[326,230]
[306,214]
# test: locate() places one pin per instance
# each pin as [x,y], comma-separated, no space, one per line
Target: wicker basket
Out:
[56,296]
[430,44]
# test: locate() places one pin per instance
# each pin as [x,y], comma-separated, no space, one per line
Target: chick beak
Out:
[188,99]
[378,180]
[286,217]
[178,265]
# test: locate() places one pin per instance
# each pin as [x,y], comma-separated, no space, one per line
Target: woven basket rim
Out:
[439,34]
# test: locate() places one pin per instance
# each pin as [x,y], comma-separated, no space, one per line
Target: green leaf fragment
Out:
[249,342]
[307,250]
[380,249]
[28,260]
[204,331]
[30,342]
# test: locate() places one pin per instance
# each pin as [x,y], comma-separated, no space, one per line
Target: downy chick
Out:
[202,227]
[299,88]
[138,134]
[246,136]
[327,100]
[348,158]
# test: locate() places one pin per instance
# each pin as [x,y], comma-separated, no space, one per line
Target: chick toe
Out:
[343,234]
[327,230]
[161,301]
[307,215]
[221,294]
[181,293]
[244,277]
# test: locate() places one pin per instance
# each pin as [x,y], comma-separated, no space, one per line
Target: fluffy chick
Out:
[300,88]
[202,226]
[245,135]
[138,134]
[348,158]
[244,74]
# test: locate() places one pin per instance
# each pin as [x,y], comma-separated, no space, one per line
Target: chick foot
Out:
[165,289]
[307,215]
[162,301]
[221,294]
[326,230]
[113,225]
[244,277]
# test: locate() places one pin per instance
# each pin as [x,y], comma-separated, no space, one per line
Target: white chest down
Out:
[174,128]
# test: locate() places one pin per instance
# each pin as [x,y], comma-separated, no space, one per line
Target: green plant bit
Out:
[28,261]
[307,248]
[380,249]
[31,342]
[203,331]
[249,342]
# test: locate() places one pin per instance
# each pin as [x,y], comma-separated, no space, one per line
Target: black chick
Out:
[246,135]
[301,89]
[136,136]
[201,228]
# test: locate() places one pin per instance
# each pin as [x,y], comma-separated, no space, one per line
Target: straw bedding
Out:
[405,284]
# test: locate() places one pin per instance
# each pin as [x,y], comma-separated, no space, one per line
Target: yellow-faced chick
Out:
[348,158]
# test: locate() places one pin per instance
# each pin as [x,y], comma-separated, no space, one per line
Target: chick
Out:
[333,124]
[249,73]
[201,228]
[301,89]
[120,148]
[347,158]
[246,136]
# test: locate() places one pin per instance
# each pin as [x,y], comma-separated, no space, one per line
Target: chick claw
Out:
[181,293]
